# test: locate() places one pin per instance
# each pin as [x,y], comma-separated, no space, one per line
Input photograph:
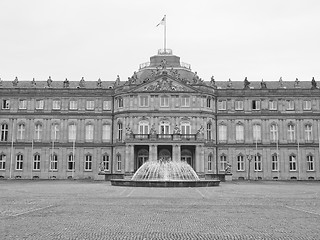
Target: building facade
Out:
[108,129]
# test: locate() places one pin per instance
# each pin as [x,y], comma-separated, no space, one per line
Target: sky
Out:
[257,39]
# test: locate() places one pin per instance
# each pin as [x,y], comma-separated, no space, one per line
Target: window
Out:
[5,104]
[308,133]
[222,133]
[164,101]
[208,102]
[185,128]
[256,132]
[240,163]
[306,105]
[56,104]
[118,162]
[223,162]
[292,163]
[209,131]
[88,163]
[210,162]
[310,163]
[73,105]
[290,105]
[90,105]
[22,104]
[274,133]
[238,105]
[105,162]
[255,104]
[106,133]
[4,132]
[239,133]
[106,105]
[36,162]
[89,133]
[120,102]
[19,162]
[143,127]
[55,132]
[39,104]
[71,162]
[274,162]
[273,105]
[185,101]
[21,132]
[2,161]
[72,132]
[144,101]
[54,162]
[120,129]
[38,132]
[222,105]
[164,127]
[291,133]
[257,163]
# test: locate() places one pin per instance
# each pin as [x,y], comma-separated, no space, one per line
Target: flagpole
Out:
[165,32]
[11,155]
[31,167]
[74,162]
[298,159]
[278,159]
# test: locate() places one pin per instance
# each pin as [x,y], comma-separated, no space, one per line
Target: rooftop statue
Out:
[263,84]
[133,79]
[296,83]
[82,83]
[229,85]
[246,83]
[313,84]
[15,81]
[49,82]
[117,81]
[99,83]
[0,82]
[33,82]
[213,82]
[280,82]
[163,64]
[66,83]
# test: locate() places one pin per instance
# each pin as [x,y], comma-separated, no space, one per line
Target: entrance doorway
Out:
[187,156]
[141,156]
[165,153]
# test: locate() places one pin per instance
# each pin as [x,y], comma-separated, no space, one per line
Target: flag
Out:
[162,22]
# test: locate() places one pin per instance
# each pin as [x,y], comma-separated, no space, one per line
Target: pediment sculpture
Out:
[165,85]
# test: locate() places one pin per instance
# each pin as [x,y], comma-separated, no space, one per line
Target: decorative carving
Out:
[176,130]
[15,81]
[66,83]
[165,85]
[133,79]
[163,64]
[82,83]
[313,84]
[246,83]
[129,132]
[228,169]
[153,130]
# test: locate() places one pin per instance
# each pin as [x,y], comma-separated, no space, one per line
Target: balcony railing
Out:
[172,137]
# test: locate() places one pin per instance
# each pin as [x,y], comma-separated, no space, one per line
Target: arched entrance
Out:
[143,156]
[165,154]
[186,156]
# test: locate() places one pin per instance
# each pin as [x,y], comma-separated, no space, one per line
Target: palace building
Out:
[108,129]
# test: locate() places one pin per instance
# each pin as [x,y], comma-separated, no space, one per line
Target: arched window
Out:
[38,132]
[257,163]
[292,163]
[72,131]
[55,130]
[105,162]
[164,127]
[119,162]
[21,131]
[143,127]
[274,137]
[89,132]
[274,162]
[222,133]
[120,131]
[2,161]
[291,133]
[256,132]
[36,162]
[71,162]
[310,163]
[210,162]
[239,132]
[240,163]
[308,132]
[19,161]
[223,162]
[185,128]
[54,162]
[88,162]
[4,132]
[209,131]
[208,102]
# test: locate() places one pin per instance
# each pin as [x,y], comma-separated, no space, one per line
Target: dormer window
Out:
[185,101]
[164,101]
[144,101]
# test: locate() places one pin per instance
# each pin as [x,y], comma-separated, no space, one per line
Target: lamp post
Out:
[249,158]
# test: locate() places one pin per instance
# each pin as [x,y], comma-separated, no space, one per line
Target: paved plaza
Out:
[96,210]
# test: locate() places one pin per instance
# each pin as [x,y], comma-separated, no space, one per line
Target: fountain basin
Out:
[163,183]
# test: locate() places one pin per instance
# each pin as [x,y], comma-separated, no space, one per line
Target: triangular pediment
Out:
[164,83]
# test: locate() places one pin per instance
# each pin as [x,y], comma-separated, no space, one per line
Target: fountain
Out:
[165,173]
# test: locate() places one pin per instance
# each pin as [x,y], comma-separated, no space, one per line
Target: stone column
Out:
[127,158]
[176,153]
[153,153]
[131,158]
[197,158]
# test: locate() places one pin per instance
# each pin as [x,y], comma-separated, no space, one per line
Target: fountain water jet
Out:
[165,173]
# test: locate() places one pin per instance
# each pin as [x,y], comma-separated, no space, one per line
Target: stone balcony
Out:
[165,137]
